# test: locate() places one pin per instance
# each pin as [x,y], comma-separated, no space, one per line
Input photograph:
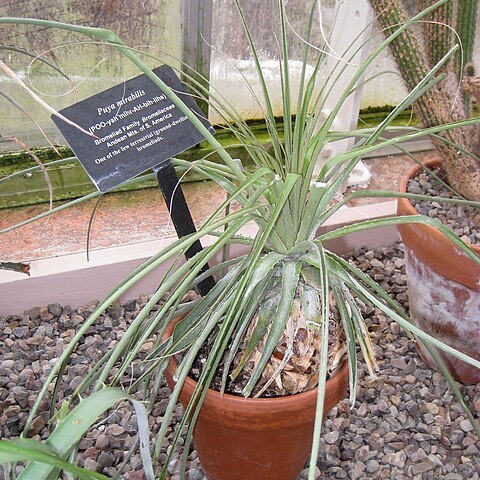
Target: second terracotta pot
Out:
[443,289]
[257,439]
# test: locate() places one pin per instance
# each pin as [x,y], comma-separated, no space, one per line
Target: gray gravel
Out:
[405,423]
[464,220]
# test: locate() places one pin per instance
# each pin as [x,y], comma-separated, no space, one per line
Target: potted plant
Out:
[283,311]
[433,263]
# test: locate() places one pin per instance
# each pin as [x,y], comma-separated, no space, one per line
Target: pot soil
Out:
[443,288]
[256,438]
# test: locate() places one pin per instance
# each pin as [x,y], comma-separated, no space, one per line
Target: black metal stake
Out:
[180,214]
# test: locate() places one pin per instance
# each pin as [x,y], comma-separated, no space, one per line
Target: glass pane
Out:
[233,74]
[386,90]
[86,67]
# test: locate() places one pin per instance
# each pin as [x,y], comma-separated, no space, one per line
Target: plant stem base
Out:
[257,438]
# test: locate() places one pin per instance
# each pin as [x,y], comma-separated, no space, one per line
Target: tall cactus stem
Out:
[438,37]
[438,105]
[466,26]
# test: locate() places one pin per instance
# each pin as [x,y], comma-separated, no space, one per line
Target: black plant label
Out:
[134,127]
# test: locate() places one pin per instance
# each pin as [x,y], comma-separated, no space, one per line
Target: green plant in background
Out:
[288,278]
[441,28]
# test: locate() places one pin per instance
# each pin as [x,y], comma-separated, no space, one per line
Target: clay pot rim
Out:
[406,206]
[279,402]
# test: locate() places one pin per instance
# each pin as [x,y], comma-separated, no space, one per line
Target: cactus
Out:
[466,27]
[437,39]
[443,103]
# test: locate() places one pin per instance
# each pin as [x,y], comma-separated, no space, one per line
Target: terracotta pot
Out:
[443,289]
[262,439]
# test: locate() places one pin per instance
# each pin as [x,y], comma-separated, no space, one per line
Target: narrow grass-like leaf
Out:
[331,166]
[70,430]
[339,232]
[319,252]
[453,386]
[256,298]
[346,317]
[285,83]
[186,273]
[270,117]
[362,334]
[319,141]
[340,268]
[392,194]
[361,151]
[290,274]
[175,248]
[187,329]
[266,316]
[24,449]
[364,293]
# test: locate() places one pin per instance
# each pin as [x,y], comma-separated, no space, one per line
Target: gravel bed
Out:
[405,423]
[464,220]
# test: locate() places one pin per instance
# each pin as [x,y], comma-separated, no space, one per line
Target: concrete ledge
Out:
[372,238]
[70,279]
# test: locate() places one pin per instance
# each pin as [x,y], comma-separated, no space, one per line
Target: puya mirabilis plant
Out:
[450,99]
[286,254]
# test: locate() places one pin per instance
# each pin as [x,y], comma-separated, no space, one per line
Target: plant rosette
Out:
[443,288]
[262,438]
